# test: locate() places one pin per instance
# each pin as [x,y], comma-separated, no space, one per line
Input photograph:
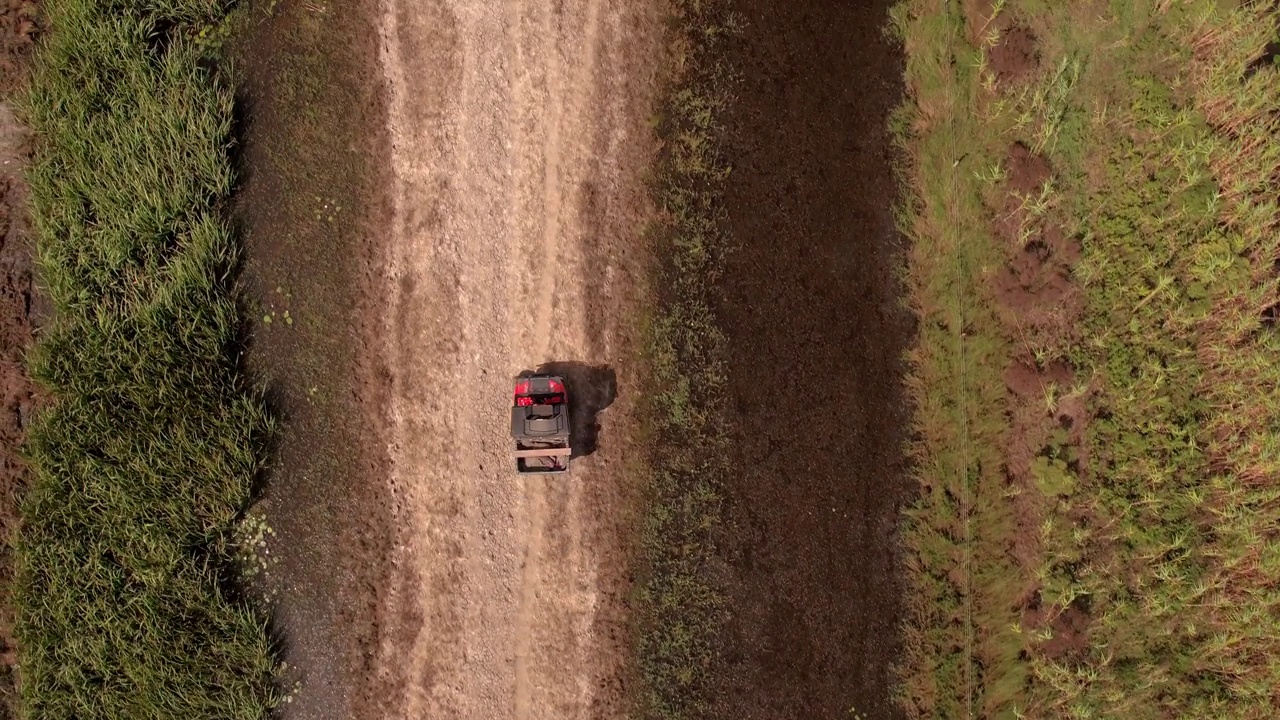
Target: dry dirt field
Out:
[517,140]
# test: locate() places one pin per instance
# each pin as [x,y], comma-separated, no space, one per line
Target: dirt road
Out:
[519,138]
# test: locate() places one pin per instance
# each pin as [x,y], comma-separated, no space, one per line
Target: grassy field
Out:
[148,453]
[679,608]
[1094,221]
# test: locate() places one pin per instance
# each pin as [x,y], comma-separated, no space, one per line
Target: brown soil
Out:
[1038,300]
[1028,172]
[20,308]
[1070,641]
[1040,306]
[19,23]
[17,394]
[1015,56]
[816,334]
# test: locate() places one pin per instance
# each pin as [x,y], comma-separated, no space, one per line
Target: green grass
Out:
[1157,525]
[147,454]
[680,608]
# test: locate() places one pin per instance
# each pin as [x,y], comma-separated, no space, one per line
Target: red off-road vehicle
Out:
[540,424]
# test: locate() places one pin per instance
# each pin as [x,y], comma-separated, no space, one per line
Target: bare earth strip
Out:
[519,138]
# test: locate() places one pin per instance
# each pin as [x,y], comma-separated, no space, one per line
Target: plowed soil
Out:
[816,329]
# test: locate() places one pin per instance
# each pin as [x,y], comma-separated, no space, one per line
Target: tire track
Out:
[554,205]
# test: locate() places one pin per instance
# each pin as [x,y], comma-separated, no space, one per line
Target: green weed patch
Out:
[679,602]
[146,456]
[1094,268]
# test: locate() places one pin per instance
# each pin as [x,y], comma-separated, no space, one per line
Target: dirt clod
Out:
[1015,56]
[1028,171]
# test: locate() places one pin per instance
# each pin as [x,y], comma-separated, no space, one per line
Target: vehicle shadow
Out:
[591,389]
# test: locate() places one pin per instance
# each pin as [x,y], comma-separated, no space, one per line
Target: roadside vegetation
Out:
[1094,220]
[146,455]
[680,608]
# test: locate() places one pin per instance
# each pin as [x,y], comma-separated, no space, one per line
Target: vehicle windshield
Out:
[548,399]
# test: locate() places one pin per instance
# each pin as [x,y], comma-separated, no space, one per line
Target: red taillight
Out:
[522,387]
[556,386]
[524,401]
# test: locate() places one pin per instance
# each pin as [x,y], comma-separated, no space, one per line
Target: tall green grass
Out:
[149,449]
[1160,125]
